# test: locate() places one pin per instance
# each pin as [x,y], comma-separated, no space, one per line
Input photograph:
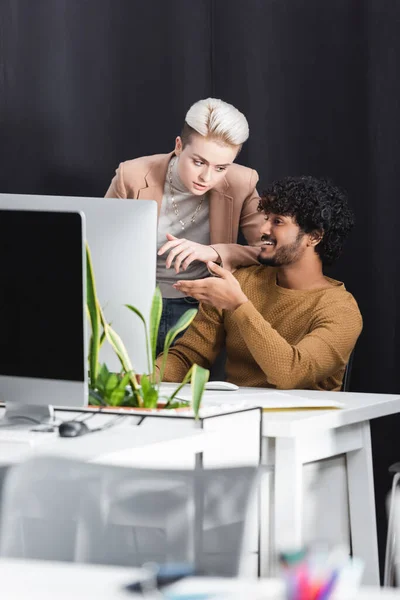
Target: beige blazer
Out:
[232,204]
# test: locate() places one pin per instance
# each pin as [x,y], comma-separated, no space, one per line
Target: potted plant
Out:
[126,388]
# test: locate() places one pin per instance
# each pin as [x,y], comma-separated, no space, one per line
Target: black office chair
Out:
[347,375]
[217,371]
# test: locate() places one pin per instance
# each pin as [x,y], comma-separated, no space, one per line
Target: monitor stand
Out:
[27,414]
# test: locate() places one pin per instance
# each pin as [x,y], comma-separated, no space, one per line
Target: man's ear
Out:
[315,237]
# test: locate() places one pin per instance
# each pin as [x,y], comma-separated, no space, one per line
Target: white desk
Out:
[291,439]
[34,580]
[156,441]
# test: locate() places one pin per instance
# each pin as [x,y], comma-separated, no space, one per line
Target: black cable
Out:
[101,410]
[115,420]
[89,416]
[109,424]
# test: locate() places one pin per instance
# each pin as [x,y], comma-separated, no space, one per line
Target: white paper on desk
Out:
[267,400]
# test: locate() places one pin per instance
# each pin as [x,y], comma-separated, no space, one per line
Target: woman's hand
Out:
[184,252]
[223,291]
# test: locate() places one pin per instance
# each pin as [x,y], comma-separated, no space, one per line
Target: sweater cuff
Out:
[244,311]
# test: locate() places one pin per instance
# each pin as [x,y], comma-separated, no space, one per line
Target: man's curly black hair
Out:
[314,204]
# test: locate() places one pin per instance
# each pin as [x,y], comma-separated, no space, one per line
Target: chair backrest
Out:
[61,509]
[217,370]
[347,374]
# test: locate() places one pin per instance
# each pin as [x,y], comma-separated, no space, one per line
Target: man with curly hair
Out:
[285,324]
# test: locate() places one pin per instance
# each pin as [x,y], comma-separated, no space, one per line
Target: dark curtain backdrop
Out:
[85,84]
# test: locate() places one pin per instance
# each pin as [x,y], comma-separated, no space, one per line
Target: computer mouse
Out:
[73,428]
[223,386]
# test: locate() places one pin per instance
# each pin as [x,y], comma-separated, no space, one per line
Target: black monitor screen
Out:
[41,295]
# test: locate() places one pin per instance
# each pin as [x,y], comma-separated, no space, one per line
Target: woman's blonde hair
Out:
[217,120]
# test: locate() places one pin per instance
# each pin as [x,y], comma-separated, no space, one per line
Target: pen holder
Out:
[320,576]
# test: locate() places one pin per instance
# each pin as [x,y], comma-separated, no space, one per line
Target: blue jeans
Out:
[173,309]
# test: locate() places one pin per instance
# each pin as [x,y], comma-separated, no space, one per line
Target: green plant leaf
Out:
[151,398]
[112,383]
[102,378]
[178,404]
[180,326]
[96,398]
[116,397]
[94,317]
[102,338]
[183,322]
[145,383]
[131,400]
[124,381]
[155,318]
[198,381]
[149,392]
[141,317]
[180,386]
[120,350]
[117,345]
[111,388]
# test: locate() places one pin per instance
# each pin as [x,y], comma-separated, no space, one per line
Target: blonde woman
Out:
[203,200]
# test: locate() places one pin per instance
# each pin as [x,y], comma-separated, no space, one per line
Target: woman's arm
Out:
[251,220]
[117,187]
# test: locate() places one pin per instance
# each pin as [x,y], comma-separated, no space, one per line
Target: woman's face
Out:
[203,162]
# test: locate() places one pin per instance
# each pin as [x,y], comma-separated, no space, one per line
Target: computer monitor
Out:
[42,305]
[122,236]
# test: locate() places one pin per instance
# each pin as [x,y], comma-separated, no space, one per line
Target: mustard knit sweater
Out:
[281,338]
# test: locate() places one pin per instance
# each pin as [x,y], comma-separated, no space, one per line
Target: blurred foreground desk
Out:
[322,484]
[34,580]
[42,580]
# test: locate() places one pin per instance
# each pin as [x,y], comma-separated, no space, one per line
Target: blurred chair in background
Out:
[61,509]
